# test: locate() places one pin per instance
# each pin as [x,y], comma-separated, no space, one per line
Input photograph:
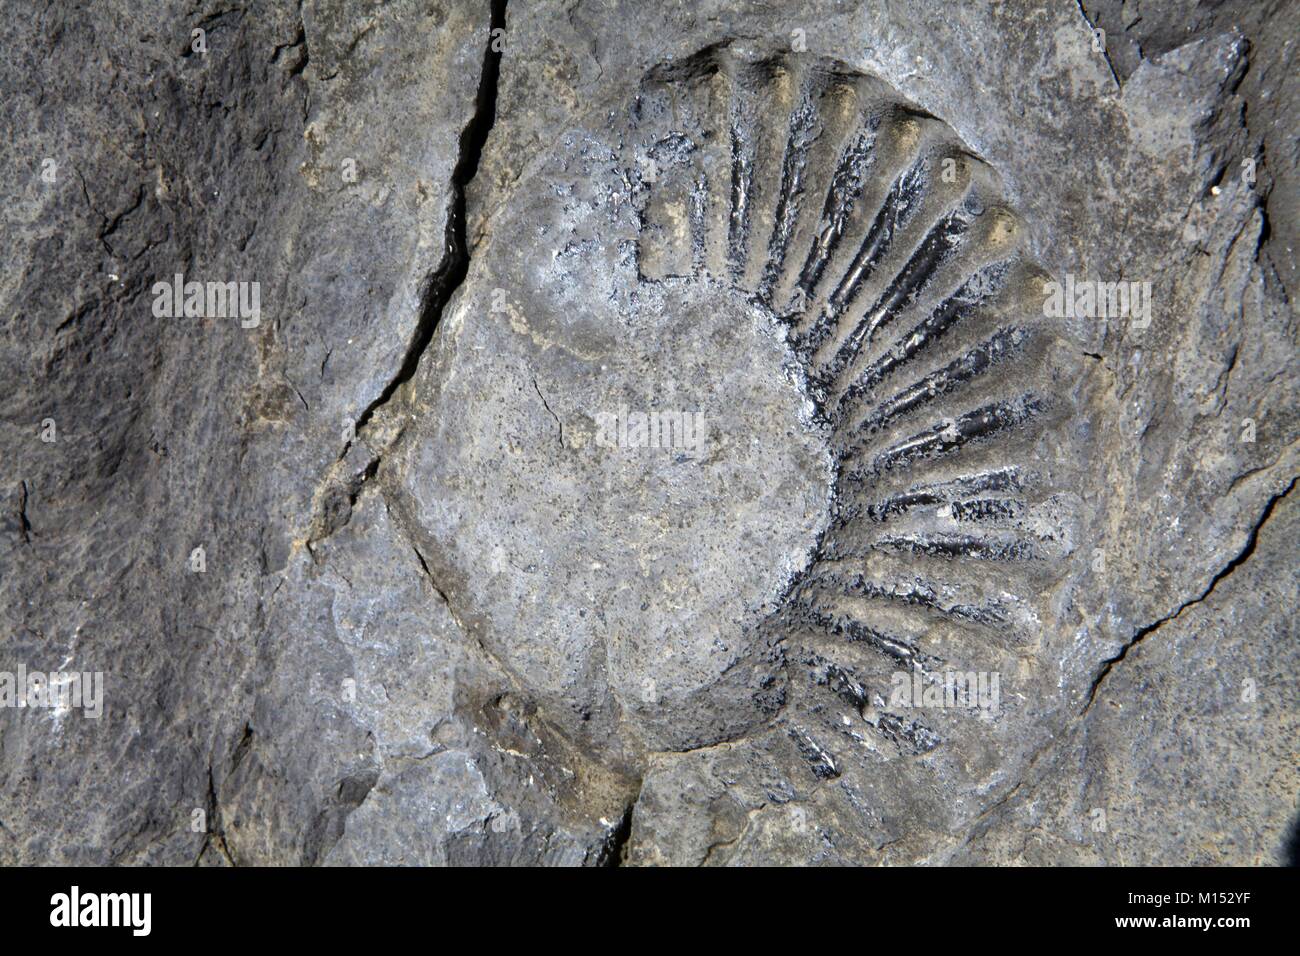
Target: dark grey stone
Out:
[456,607]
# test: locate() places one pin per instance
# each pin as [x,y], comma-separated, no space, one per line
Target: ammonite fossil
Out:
[832,287]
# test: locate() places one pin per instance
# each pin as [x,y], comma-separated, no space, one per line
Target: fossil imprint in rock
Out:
[835,284]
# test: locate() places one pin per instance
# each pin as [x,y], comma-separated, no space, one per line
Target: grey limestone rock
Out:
[669,434]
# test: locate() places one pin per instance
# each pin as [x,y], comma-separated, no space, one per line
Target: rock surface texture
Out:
[678,433]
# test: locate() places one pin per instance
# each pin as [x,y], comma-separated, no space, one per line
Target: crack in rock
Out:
[451,271]
[1241,558]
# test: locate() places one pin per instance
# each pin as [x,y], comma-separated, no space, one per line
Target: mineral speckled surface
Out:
[621,433]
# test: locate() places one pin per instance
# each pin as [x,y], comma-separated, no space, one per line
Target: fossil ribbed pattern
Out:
[886,251]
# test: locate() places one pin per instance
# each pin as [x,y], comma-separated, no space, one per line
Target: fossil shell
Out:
[838,285]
